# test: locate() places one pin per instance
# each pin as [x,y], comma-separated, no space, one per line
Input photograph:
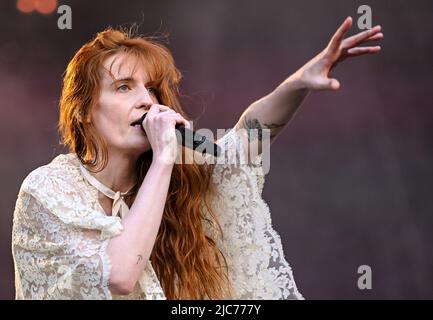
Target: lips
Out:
[139,121]
[136,123]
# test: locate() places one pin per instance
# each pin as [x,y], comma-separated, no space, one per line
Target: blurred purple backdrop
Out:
[351,177]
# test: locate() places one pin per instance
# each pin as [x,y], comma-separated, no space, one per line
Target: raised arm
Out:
[275,110]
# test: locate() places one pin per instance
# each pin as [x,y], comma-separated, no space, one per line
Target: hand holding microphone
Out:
[158,123]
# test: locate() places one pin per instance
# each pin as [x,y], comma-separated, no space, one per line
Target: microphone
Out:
[192,140]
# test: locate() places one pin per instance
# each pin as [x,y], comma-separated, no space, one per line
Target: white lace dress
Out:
[60,235]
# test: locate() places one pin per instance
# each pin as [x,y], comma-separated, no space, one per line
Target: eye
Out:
[152,90]
[123,88]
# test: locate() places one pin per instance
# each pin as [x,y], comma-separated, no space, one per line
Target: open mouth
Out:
[136,124]
[139,121]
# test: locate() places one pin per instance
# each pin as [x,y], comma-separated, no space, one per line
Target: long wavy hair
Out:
[186,258]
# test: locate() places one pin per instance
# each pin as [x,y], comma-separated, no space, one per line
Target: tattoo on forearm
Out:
[257,134]
[139,258]
[275,128]
[253,124]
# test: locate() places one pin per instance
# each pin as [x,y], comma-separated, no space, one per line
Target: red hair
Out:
[188,262]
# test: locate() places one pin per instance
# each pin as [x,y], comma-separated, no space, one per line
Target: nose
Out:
[145,99]
[145,105]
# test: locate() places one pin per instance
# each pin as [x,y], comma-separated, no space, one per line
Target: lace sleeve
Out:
[236,155]
[55,260]
[257,266]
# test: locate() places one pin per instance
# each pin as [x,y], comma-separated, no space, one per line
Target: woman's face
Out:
[123,99]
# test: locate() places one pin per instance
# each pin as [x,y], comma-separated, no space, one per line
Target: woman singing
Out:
[119,218]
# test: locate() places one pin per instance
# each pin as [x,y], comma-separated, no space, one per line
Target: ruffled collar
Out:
[119,206]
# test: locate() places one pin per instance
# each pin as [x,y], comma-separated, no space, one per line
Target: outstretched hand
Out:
[315,74]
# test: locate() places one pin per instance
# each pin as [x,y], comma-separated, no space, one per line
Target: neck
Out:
[119,174]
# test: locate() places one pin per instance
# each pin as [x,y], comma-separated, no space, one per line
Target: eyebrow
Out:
[125,79]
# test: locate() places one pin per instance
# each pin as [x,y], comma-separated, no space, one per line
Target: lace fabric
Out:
[257,266]
[60,234]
